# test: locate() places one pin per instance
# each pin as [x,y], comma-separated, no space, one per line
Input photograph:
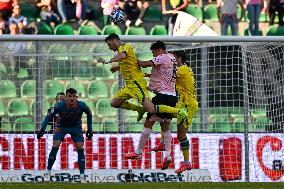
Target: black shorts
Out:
[164,99]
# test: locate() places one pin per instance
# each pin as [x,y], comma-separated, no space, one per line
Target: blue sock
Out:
[81,160]
[51,157]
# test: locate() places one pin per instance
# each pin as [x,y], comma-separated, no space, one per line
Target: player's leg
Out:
[184,146]
[77,137]
[167,139]
[182,129]
[58,137]
[160,146]
[142,141]
[120,101]
[181,114]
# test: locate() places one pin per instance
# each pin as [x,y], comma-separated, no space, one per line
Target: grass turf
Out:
[172,185]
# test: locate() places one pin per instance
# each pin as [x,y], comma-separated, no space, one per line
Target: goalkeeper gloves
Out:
[89,134]
[39,134]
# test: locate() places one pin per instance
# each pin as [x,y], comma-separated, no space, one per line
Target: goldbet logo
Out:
[149,177]
[58,177]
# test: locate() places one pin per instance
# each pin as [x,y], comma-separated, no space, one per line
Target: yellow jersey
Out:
[129,67]
[185,83]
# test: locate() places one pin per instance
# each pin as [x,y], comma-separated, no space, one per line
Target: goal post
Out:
[237,134]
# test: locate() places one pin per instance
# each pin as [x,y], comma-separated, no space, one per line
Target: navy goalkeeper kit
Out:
[70,120]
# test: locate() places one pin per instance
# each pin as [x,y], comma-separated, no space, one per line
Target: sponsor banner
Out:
[267,157]
[189,25]
[221,154]
[110,175]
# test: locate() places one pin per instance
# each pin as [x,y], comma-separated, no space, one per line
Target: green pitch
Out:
[143,186]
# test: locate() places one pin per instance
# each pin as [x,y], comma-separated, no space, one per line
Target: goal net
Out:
[235,136]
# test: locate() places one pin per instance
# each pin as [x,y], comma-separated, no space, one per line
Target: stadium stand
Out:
[17,107]
[5,125]
[131,125]
[45,106]
[132,30]
[2,108]
[63,29]
[108,29]
[110,125]
[104,109]
[44,29]
[28,89]
[23,124]
[52,87]
[78,85]
[88,30]
[194,10]
[159,30]
[211,13]
[7,89]
[97,89]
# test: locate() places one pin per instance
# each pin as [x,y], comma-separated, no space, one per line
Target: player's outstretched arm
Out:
[145,64]
[89,132]
[50,115]
[116,58]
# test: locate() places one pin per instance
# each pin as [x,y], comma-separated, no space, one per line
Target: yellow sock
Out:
[166,109]
[130,106]
[185,153]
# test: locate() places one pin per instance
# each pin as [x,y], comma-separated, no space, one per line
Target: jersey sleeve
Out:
[50,115]
[88,112]
[158,60]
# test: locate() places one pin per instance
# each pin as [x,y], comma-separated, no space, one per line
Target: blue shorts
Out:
[75,132]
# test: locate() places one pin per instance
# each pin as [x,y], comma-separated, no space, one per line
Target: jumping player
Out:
[135,83]
[162,83]
[185,85]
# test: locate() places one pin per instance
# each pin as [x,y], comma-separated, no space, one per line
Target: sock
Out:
[184,145]
[51,157]
[167,141]
[81,160]
[143,139]
[48,171]
[82,175]
[130,106]
[166,109]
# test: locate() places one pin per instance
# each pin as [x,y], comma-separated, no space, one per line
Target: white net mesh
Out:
[228,76]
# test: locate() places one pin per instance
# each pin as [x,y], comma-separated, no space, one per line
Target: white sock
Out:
[143,139]
[167,142]
[82,175]
[48,171]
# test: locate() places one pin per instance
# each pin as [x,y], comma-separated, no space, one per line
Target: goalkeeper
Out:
[70,112]
[185,85]
[135,83]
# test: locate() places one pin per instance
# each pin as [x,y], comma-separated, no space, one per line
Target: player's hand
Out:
[114,68]
[39,134]
[89,134]
[100,59]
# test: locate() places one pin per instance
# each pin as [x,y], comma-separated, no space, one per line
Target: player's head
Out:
[158,48]
[180,57]
[71,96]
[113,41]
[60,96]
